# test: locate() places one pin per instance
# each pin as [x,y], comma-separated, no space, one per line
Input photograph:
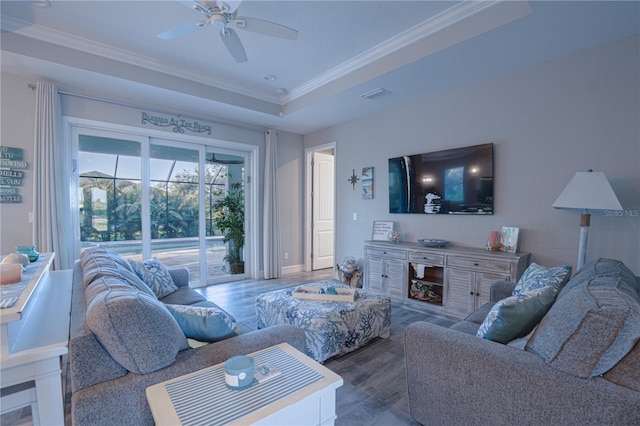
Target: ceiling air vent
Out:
[374,93]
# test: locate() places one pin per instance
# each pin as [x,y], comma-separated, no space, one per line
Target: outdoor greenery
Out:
[111,208]
[229,219]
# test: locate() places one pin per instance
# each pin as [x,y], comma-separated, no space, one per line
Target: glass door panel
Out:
[109,194]
[225,219]
[175,207]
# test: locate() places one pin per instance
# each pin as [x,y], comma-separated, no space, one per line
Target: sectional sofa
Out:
[579,366]
[123,338]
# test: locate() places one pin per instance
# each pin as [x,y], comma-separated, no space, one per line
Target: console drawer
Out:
[384,252]
[483,264]
[427,258]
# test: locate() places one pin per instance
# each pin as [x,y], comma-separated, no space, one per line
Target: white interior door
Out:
[323,211]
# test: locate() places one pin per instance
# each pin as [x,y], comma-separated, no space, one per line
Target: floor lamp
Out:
[587,191]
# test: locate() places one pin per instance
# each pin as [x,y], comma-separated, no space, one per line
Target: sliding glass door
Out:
[147,197]
[174,204]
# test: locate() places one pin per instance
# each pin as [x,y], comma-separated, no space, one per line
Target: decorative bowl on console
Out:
[433,243]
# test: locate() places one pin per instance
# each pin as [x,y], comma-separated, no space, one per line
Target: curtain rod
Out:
[111,101]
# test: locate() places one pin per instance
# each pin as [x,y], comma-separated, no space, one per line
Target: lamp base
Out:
[585,222]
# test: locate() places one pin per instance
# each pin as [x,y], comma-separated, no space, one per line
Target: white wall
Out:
[546,121]
[16,123]
[291,193]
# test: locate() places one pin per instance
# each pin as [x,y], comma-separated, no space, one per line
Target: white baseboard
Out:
[293,269]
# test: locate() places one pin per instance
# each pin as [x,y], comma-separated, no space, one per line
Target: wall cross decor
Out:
[354,179]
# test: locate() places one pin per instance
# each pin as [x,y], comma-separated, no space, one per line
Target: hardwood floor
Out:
[374,390]
[238,298]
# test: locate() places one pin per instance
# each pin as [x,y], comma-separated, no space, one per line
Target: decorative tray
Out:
[433,243]
[322,292]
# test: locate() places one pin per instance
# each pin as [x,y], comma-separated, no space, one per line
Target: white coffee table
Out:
[304,394]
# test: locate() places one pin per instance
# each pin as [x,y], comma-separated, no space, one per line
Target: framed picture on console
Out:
[381,230]
[509,239]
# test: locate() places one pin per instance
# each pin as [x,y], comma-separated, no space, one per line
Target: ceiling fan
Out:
[224,159]
[223,15]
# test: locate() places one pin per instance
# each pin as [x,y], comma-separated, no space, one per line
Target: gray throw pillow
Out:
[627,372]
[97,263]
[134,328]
[536,277]
[206,324]
[156,276]
[516,316]
[593,324]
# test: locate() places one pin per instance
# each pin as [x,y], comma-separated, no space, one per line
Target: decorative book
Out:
[264,372]
[323,292]
[509,239]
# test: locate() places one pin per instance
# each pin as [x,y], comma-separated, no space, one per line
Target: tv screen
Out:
[454,181]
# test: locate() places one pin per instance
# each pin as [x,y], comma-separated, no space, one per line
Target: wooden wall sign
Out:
[179,124]
[11,174]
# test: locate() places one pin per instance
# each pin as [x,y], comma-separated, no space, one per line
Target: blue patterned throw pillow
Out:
[156,276]
[516,316]
[205,324]
[537,277]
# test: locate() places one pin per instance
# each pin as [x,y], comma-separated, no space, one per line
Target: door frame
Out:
[308,219]
[72,125]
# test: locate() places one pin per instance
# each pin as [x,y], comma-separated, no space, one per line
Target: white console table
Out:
[457,280]
[35,334]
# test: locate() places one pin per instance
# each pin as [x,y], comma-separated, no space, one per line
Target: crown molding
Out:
[49,35]
[455,14]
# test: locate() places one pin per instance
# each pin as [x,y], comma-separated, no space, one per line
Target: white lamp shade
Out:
[588,191]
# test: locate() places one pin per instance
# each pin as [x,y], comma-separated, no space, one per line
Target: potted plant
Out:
[228,215]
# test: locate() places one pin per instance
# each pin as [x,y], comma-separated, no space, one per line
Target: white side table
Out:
[304,394]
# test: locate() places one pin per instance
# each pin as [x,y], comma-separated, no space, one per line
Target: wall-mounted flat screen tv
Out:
[454,181]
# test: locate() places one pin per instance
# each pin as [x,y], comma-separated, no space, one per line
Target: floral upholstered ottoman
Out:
[331,328]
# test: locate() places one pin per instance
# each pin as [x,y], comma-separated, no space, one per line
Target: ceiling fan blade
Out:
[182,30]
[189,3]
[269,28]
[224,159]
[233,44]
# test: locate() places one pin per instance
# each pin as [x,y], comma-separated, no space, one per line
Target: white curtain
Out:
[271,216]
[52,229]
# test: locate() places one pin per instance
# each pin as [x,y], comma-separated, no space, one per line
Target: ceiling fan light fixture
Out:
[218,21]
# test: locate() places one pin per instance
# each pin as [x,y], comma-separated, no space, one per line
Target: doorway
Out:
[320,207]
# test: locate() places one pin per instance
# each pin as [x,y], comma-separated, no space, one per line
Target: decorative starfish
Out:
[354,179]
